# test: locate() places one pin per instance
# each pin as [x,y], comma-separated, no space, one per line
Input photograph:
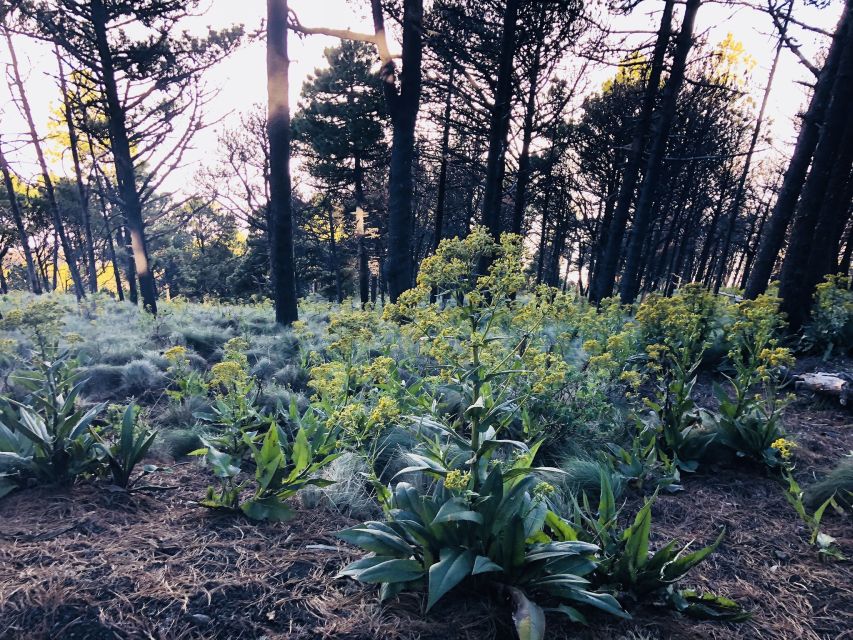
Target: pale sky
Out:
[241,79]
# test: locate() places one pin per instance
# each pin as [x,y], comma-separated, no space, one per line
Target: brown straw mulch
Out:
[93,564]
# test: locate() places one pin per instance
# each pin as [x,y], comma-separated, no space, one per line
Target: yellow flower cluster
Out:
[175,354]
[457,480]
[784,447]
[543,489]
[228,375]
[385,413]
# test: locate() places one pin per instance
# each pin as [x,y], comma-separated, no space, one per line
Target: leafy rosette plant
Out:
[628,567]
[47,436]
[501,534]
[282,467]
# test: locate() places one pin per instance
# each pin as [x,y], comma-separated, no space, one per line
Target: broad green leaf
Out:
[482,564]
[455,510]
[452,568]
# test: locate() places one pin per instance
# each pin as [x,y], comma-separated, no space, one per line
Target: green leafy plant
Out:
[60,445]
[824,543]
[831,327]
[126,449]
[750,419]
[628,568]
[282,467]
[486,519]
[681,426]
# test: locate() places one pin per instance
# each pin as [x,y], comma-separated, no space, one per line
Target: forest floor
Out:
[91,564]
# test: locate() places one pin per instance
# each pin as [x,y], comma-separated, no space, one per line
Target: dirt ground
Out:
[91,564]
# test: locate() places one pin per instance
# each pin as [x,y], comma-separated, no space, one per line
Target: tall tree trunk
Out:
[527,131]
[48,183]
[78,175]
[4,287]
[834,213]
[278,128]
[333,255]
[608,265]
[403,107]
[441,197]
[363,270]
[129,264]
[32,277]
[777,223]
[642,214]
[499,122]
[744,174]
[125,171]
[795,288]
[110,244]
[844,262]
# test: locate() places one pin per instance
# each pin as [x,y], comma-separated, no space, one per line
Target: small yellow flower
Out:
[456,480]
[784,447]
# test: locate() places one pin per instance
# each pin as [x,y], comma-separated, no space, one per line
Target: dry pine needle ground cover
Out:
[93,564]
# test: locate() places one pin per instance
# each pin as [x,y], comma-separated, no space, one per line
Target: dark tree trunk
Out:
[333,256]
[605,271]
[102,200]
[441,197]
[403,106]
[527,134]
[363,270]
[32,277]
[278,129]
[834,213]
[129,264]
[78,175]
[795,287]
[642,214]
[777,223]
[499,122]
[844,263]
[125,171]
[48,183]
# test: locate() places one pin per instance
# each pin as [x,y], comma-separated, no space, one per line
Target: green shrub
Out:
[627,566]
[47,436]
[583,476]
[103,381]
[838,483]
[831,327]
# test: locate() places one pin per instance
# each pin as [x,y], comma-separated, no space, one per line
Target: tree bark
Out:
[795,286]
[125,171]
[605,271]
[278,128]
[499,122]
[792,184]
[642,214]
[403,107]
[523,179]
